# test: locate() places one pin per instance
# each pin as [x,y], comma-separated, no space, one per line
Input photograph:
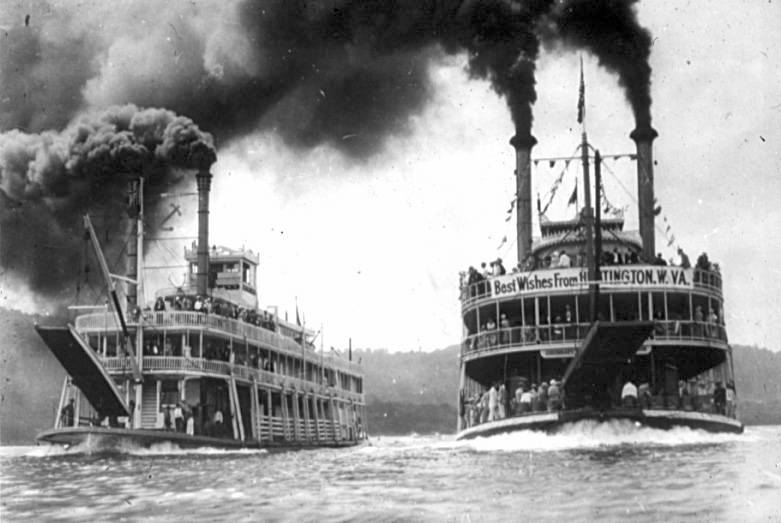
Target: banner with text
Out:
[613,277]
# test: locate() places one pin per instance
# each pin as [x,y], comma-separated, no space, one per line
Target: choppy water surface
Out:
[590,472]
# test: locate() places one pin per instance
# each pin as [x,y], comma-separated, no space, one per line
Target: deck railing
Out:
[179,364]
[476,414]
[169,320]
[703,279]
[574,333]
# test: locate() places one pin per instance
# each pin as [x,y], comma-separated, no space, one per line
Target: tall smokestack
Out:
[132,251]
[204,179]
[523,203]
[644,137]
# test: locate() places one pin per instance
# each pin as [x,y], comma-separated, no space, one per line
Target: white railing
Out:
[179,364]
[104,321]
[572,334]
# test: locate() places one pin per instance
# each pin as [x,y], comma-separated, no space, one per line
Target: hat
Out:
[498,260]
[553,382]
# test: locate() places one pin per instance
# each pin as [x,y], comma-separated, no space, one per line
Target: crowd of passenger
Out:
[209,305]
[494,403]
[212,351]
[473,277]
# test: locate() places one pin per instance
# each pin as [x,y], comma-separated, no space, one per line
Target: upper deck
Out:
[574,280]
[216,325]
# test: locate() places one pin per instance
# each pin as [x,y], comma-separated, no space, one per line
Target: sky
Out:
[372,249]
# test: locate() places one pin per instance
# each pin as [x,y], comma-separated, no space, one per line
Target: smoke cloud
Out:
[346,73]
[609,29]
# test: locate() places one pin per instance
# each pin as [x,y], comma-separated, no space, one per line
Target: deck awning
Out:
[603,354]
[85,370]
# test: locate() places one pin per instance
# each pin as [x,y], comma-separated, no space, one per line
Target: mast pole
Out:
[597,233]
[588,217]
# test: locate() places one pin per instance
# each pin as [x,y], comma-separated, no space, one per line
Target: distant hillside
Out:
[406,391]
[30,380]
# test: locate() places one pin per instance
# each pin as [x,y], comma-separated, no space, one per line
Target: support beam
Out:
[270,415]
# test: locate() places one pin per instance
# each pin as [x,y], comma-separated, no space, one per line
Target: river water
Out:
[609,472]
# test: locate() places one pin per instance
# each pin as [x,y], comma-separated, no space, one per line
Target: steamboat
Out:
[592,324]
[199,365]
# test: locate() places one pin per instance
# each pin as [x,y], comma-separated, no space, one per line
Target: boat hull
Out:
[551,422]
[99,439]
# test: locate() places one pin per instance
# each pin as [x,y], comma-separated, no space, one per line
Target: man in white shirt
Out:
[629,394]
[564,260]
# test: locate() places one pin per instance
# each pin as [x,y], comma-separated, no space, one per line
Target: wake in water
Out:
[594,434]
[101,446]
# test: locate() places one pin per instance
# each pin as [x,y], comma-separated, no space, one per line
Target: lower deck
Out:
[551,422]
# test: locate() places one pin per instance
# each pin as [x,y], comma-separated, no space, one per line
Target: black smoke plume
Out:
[48,180]
[346,73]
[609,29]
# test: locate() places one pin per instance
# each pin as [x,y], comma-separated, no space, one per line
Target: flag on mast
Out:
[574,198]
[581,96]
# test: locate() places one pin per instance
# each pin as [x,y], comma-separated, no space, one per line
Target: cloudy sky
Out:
[373,250]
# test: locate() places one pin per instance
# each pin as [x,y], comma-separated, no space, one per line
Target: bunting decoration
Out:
[501,244]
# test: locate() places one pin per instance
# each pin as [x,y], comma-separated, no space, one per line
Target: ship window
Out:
[487,314]
[678,306]
[562,309]
[512,310]
[169,392]
[245,272]
[700,304]
[544,314]
[528,311]
[658,306]
[625,306]
[645,310]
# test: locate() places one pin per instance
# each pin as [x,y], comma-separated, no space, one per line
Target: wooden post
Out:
[333,415]
[61,404]
[285,415]
[307,417]
[316,416]
[254,407]
[270,416]
[238,429]
[77,408]
[296,416]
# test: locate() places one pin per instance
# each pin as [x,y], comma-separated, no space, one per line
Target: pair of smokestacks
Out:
[203,179]
[643,138]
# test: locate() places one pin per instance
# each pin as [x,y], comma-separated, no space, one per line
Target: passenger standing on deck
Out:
[554,396]
[67,413]
[518,397]
[720,398]
[178,418]
[485,406]
[501,402]
[629,394]
[493,397]
[526,401]
[500,270]
[542,397]
[685,263]
[730,399]
[564,260]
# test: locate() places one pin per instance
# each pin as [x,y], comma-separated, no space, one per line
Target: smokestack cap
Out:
[523,141]
[644,133]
